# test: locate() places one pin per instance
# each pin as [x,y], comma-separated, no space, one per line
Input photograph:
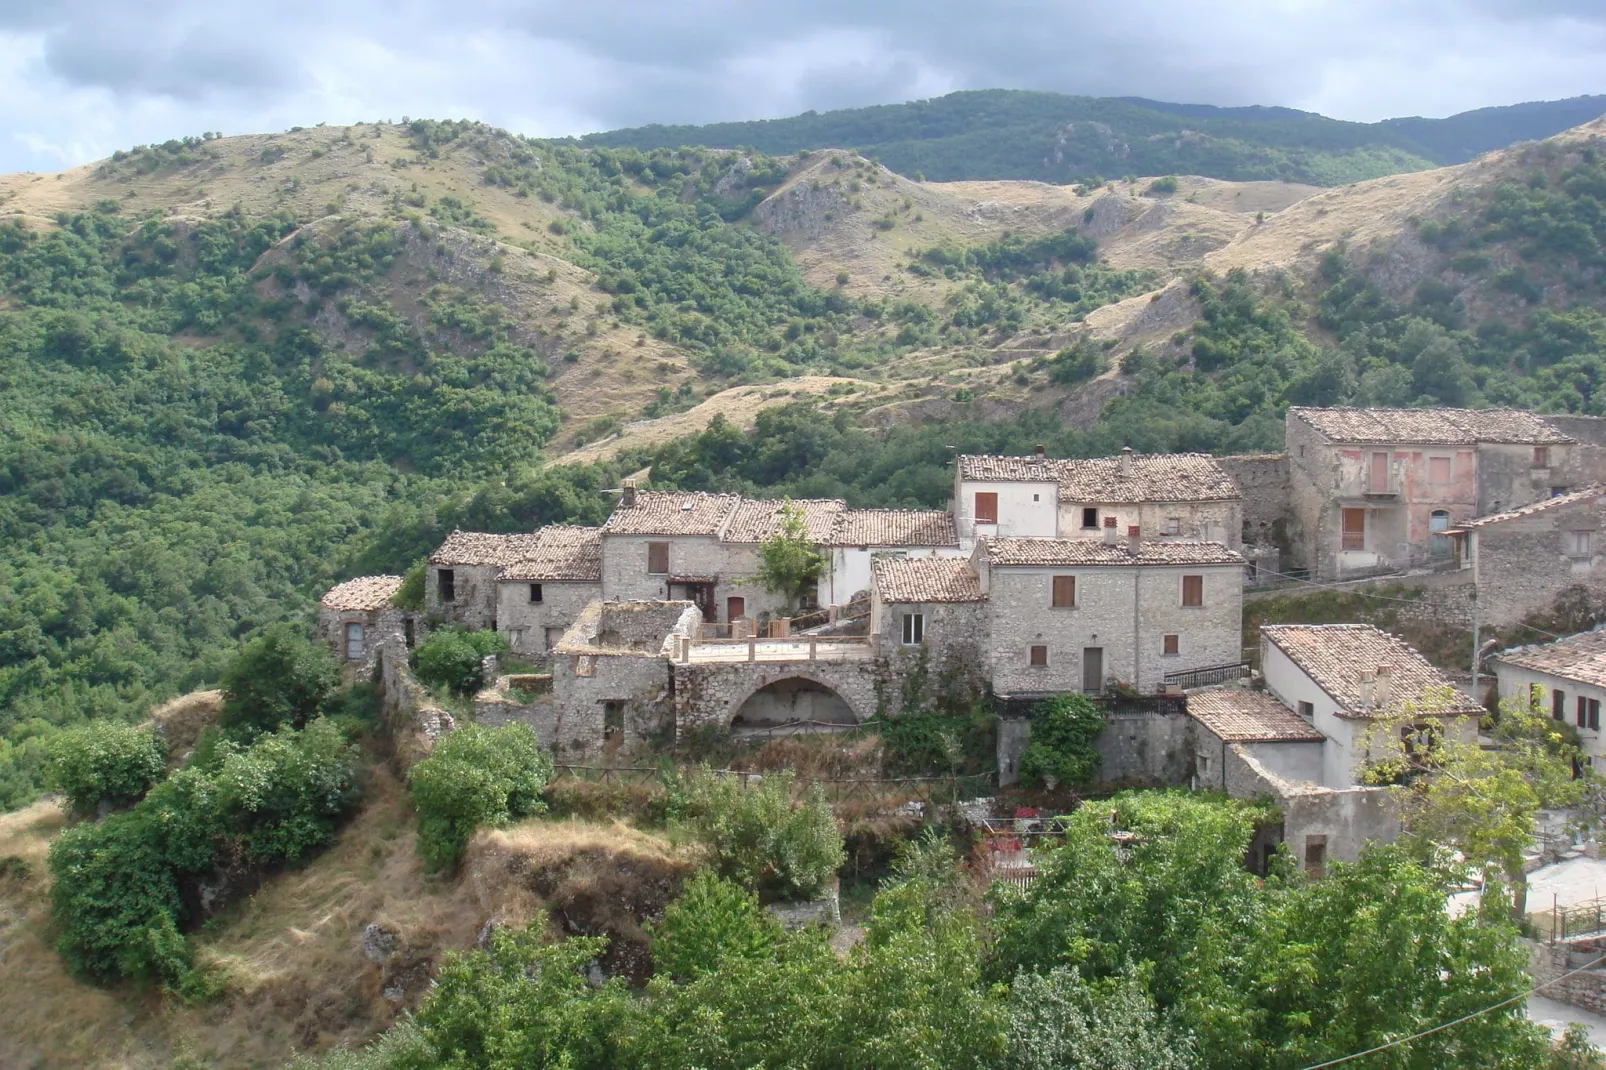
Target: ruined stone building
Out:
[355,617]
[542,593]
[1168,496]
[1378,489]
[1522,561]
[1566,679]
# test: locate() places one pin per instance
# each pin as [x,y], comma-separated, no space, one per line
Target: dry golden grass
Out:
[181,720]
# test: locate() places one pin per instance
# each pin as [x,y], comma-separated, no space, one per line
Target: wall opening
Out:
[802,704]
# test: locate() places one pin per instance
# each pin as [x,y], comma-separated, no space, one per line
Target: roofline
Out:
[1344,709]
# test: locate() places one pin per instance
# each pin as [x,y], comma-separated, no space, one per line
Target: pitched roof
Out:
[1235,715]
[672,512]
[363,594]
[1597,491]
[893,527]
[929,579]
[755,521]
[561,552]
[479,548]
[1430,426]
[1154,477]
[1335,656]
[1066,553]
[1581,658]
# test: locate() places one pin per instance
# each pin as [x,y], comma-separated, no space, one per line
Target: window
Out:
[613,719]
[1578,543]
[535,594]
[1594,714]
[1039,655]
[986,507]
[1064,592]
[1354,535]
[1202,763]
[1583,710]
[407,632]
[446,585]
[1037,497]
[1090,517]
[657,558]
[1307,711]
[1173,525]
[1558,705]
[1171,644]
[1541,456]
[353,641]
[1193,590]
[1315,855]
[914,629]
[1438,469]
[1379,483]
[1438,541]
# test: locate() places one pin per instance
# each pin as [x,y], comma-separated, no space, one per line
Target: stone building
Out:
[463,574]
[1378,489]
[665,545]
[752,523]
[1522,561]
[1078,614]
[610,673]
[859,536]
[356,616]
[1566,679]
[540,595]
[929,608]
[1353,683]
[1170,496]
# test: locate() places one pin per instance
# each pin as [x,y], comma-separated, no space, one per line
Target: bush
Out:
[281,677]
[410,595]
[476,776]
[760,839]
[713,922]
[1061,752]
[104,763]
[121,886]
[451,658]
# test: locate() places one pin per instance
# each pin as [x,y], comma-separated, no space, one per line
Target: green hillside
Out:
[1051,137]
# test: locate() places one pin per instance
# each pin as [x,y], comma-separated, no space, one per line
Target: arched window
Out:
[1438,524]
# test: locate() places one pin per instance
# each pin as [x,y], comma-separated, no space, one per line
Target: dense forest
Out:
[1051,137]
[188,456]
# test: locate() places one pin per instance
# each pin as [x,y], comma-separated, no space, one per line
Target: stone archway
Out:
[792,700]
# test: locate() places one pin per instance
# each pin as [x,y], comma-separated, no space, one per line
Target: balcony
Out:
[798,648]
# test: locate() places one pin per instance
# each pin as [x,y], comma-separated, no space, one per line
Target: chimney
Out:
[1380,694]
[1038,451]
[627,494]
[1134,540]
[1126,462]
[1367,689]
[1110,534]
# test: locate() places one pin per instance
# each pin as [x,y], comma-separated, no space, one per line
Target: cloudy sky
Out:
[79,78]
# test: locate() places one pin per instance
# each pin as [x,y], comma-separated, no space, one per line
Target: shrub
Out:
[104,763]
[452,658]
[280,677]
[476,776]
[760,839]
[713,922]
[1159,186]
[1064,730]
[410,595]
[120,887]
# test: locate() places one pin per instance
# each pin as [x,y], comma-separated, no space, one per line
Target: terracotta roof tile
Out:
[1065,553]
[363,594]
[1235,715]
[1597,491]
[479,548]
[1156,477]
[931,579]
[893,527]
[1430,426]
[755,521]
[1581,658]
[561,552]
[672,512]
[1335,656]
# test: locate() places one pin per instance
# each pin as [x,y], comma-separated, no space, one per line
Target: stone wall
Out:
[473,601]
[952,657]
[624,564]
[712,693]
[533,628]
[411,722]
[1523,565]
[1550,961]
[1139,748]
[379,628]
[1263,481]
[1341,819]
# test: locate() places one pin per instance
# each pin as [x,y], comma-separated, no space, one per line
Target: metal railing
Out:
[1210,674]
[1579,919]
[792,648]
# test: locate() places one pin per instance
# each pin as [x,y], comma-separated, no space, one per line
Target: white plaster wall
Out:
[1291,759]
[849,569]
[1513,684]
[1291,686]
[1024,509]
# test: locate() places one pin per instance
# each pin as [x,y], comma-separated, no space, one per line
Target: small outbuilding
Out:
[355,616]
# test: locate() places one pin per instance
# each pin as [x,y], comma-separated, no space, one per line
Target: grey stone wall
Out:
[1343,819]
[379,628]
[1507,478]
[411,721]
[1589,430]
[712,693]
[533,628]
[1551,961]
[624,564]
[1147,748]
[1216,521]
[1310,485]
[954,652]
[582,685]
[474,595]
[1523,565]
[1264,482]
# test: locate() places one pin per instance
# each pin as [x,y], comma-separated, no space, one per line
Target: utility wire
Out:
[1464,1018]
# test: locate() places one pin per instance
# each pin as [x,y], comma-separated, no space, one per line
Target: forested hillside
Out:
[1051,137]
[236,370]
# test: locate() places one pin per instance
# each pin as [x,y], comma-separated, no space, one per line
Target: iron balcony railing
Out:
[1210,674]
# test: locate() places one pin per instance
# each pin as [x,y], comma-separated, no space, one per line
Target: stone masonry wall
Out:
[412,722]
[1263,480]
[711,694]
[1146,748]
[526,623]
[1550,961]
[474,595]
[1524,565]
[379,628]
[624,564]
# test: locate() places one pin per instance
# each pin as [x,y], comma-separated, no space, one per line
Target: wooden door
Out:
[735,608]
[1093,669]
[1354,533]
